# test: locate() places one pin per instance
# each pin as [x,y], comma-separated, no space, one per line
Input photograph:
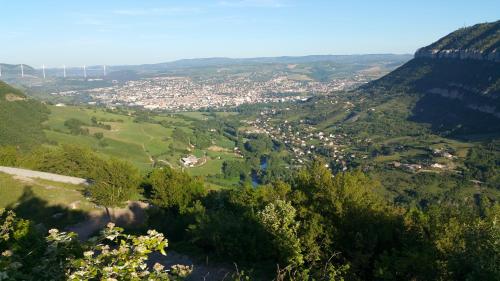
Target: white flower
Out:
[111,237]
[152,232]
[7,253]
[141,249]
[123,249]
[110,225]
[53,231]
[108,269]
[88,254]
[105,250]
[158,267]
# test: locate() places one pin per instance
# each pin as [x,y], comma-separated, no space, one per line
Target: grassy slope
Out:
[483,37]
[20,118]
[136,142]
[41,200]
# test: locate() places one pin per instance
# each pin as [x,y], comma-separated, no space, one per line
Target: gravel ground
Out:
[42,175]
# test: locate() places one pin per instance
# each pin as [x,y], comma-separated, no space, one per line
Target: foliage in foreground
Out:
[324,227]
[26,255]
[316,226]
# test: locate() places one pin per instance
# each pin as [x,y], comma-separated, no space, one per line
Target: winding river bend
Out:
[255,177]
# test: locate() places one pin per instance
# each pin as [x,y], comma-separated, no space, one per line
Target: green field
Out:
[55,204]
[141,143]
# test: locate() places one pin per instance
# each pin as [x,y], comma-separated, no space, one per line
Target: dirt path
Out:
[165,162]
[144,147]
[203,271]
[147,153]
[134,214]
[42,175]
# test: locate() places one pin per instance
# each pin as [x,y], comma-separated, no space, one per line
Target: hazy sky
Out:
[77,32]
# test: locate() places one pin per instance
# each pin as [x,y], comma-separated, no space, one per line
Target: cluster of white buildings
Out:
[304,141]
[184,93]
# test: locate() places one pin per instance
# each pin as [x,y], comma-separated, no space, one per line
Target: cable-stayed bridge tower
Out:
[44,72]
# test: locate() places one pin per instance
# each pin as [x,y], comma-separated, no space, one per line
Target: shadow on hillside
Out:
[32,207]
[132,217]
[452,117]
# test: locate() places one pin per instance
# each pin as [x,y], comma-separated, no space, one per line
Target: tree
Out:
[75,126]
[467,243]
[171,188]
[98,135]
[342,214]
[179,135]
[278,219]
[8,156]
[115,183]
[69,160]
[234,168]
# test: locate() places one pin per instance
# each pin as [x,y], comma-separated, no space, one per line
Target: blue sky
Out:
[77,32]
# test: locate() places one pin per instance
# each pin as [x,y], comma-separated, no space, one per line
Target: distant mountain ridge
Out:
[478,42]
[9,70]
[223,61]
[13,70]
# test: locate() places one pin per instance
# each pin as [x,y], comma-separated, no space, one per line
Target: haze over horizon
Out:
[133,32]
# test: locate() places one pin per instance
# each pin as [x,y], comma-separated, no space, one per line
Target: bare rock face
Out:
[493,55]
[478,42]
[455,82]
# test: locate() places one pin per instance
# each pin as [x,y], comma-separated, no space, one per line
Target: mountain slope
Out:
[455,82]
[479,42]
[225,62]
[14,70]
[20,118]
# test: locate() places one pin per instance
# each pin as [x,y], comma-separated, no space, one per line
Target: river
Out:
[255,176]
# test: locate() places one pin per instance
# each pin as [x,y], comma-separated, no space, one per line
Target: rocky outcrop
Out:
[477,42]
[458,54]
[455,82]
[455,94]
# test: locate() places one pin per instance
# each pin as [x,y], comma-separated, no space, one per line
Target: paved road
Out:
[41,175]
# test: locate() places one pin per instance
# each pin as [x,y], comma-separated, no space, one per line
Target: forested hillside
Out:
[455,82]
[20,117]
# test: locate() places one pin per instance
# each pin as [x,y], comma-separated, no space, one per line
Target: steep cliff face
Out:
[456,81]
[478,42]
[459,54]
